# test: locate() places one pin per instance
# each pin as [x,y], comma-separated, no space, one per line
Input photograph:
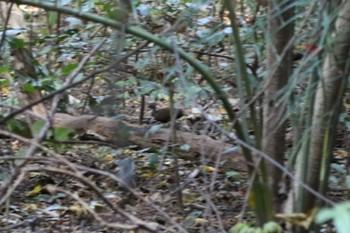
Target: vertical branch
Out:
[280,32]
[329,94]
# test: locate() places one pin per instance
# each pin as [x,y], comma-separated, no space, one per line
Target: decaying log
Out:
[122,134]
[16,19]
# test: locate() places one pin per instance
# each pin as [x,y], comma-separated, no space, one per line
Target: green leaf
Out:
[339,214]
[12,32]
[233,174]
[154,129]
[28,88]
[17,43]
[52,19]
[87,6]
[65,2]
[62,134]
[4,69]
[18,127]
[20,153]
[37,126]
[69,68]
[347,181]
[4,82]
[144,9]
[339,168]
[239,227]
[204,21]
[153,161]
[46,50]
[272,227]
[73,22]
[189,222]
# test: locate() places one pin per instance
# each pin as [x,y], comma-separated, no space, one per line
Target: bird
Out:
[163,115]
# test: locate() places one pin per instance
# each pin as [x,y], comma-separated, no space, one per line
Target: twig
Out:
[52,188]
[116,209]
[5,26]
[267,157]
[75,169]
[17,176]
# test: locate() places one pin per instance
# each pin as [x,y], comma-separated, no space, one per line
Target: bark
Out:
[16,19]
[122,134]
[328,98]
[280,33]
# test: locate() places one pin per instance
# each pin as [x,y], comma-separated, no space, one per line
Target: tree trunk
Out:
[328,100]
[279,64]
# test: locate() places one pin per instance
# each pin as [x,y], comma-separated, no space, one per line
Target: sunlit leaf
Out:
[300,219]
[154,129]
[63,2]
[12,32]
[88,5]
[200,221]
[189,196]
[78,210]
[233,174]
[73,22]
[37,189]
[339,168]
[204,21]
[272,227]
[149,175]
[240,227]
[208,168]
[230,150]
[4,69]
[185,147]
[144,9]
[162,184]
[339,214]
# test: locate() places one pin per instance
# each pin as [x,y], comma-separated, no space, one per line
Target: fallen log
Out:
[121,134]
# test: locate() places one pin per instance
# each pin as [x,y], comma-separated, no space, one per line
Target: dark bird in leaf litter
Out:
[163,115]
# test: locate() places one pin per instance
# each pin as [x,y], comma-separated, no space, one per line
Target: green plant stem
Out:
[176,171]
[261,193]
[301,157]
[242,73]
[330,135]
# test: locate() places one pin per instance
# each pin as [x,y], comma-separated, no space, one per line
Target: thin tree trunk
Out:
[328,101]
[279,64]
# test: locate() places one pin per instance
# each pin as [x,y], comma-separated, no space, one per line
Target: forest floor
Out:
[213,199]
[55,196]
[207,205]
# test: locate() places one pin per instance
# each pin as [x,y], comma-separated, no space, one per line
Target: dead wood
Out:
[122,134]
[16,19]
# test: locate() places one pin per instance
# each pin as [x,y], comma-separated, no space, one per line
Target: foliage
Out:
[183,54]
[339,214]
[268,227]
